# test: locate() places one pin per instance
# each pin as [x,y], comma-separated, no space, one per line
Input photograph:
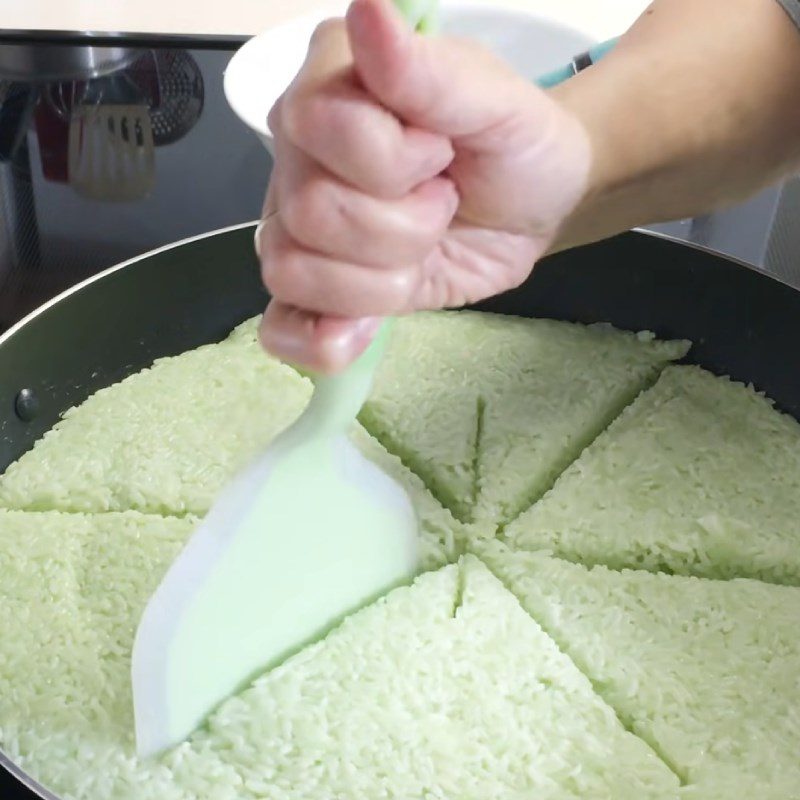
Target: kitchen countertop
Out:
[599,18]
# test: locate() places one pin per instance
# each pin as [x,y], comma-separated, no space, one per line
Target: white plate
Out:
[261,70]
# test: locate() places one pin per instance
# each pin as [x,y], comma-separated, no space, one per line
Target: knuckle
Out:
[292,116]
[274,115]
[307,211]
[387,184]
[322,31]
[383,175]
[268,262]
[275,254]
[278,278]
[305,116]
[366,151]
[391,173]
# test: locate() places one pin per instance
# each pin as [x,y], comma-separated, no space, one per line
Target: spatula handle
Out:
[338,398]
[421,15]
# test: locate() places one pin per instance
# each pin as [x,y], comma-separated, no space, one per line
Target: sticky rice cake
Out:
[166,440]
[700,476]
[72,589]
[489,409]
[69,636]
[707,672]
[444,689]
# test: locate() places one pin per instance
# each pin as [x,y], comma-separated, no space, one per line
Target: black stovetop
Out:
[61,221]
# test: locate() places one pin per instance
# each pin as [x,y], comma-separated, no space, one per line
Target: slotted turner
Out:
[111,152]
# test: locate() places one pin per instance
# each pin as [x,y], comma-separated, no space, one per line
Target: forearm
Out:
[697,107]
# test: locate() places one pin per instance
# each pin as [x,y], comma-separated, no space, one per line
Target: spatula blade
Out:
[230,607]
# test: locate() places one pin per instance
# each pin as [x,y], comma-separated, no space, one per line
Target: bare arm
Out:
[697,107]
[416,172]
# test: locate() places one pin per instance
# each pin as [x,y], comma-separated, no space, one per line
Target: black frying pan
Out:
[742,322]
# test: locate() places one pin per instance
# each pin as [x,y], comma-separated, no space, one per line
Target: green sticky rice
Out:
[699,476]
[444,689]
[705,671]
[489,409]
[568,680]
[126,449]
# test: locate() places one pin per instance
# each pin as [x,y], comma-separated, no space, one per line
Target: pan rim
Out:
[77,287]
[25,779]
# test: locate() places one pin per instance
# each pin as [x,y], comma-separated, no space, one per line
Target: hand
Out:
[410,173]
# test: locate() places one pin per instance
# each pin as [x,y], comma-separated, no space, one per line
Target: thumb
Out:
[447,86]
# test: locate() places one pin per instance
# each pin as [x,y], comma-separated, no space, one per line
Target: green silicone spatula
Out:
[311,531]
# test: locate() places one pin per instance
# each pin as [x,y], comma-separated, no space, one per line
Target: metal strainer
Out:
[168,82]
[173,85]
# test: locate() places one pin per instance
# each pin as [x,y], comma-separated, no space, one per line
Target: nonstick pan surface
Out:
[742,322]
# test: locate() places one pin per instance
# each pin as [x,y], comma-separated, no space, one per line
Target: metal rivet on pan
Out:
[26,405]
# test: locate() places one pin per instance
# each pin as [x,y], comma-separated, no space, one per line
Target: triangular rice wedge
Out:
[489,409]
[699,476]
[705,671]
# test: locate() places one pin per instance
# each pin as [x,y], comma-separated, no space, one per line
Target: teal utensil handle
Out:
[578,64]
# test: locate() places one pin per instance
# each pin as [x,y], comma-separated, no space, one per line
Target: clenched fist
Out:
[411,172]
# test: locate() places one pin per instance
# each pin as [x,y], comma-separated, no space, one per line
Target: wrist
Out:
[575,229]
[639,150]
